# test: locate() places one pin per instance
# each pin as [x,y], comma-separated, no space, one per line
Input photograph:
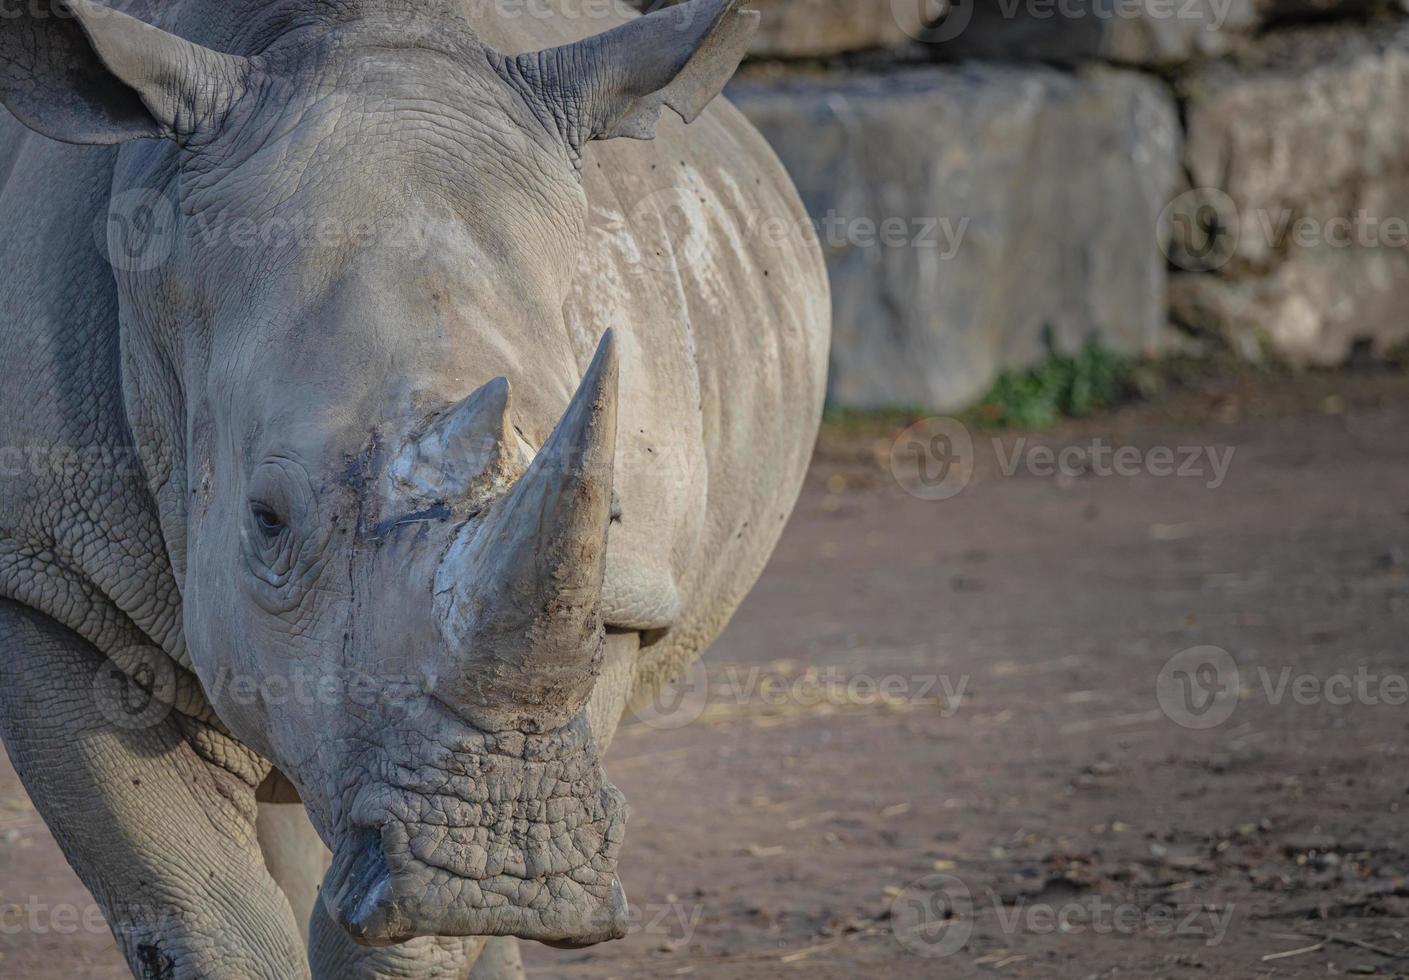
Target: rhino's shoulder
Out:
[79,540]
[698,255]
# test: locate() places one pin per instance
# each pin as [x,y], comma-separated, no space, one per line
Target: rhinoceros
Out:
[394,395]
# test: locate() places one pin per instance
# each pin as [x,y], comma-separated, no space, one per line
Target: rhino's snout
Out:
[470,833]
[379,905]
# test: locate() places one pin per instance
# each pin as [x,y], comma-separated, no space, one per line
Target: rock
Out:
[819,28]
[1299,153]
[970,215]
[1144,33]
[1148,33]
[822,28]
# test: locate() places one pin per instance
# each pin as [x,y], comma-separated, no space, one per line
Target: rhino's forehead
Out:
[367,124]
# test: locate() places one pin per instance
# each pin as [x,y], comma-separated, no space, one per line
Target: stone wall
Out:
[819,28]
[972,216]
[1306,141]
[1128,171]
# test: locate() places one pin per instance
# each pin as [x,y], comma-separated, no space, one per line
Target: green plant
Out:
[1066,386]
[854,420]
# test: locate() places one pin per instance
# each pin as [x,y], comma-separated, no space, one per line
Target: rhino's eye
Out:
[270,524]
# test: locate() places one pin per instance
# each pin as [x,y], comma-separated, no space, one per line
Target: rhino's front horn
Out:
[467,456]
[518,595]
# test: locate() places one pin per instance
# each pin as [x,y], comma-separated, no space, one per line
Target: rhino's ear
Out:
[615,84]
[80,72]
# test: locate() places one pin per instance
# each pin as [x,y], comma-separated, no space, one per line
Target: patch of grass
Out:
[1067,386]
[854,420]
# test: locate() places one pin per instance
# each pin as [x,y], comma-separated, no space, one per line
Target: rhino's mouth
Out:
[496,835]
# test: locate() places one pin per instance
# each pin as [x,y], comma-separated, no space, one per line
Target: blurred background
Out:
[998,181]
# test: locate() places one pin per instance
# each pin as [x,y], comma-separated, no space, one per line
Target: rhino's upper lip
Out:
[493,834]
[380,899]
[363,897]
[391,814]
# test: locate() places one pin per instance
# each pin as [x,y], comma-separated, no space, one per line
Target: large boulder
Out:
[1299,216]
[976,218]
[1147,33]
[824,28]
[818,28]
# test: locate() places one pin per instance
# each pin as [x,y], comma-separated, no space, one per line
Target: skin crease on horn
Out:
[413,456]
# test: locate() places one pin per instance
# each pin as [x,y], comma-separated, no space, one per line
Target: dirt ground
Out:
[1068,725]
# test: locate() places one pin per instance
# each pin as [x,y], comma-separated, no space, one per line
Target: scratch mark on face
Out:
[439,511]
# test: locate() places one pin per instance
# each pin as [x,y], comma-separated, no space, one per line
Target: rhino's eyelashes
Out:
[280,495]
[266,520]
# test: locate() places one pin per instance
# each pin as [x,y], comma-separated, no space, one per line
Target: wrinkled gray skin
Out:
[392,519]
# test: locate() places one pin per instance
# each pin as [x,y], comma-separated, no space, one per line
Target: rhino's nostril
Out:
[358,892]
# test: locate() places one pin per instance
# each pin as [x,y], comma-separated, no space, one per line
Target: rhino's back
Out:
[699,257]
[78,537]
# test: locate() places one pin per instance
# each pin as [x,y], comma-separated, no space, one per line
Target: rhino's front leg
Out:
[162,837]
[289,841]
[499,961]
[336,957]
